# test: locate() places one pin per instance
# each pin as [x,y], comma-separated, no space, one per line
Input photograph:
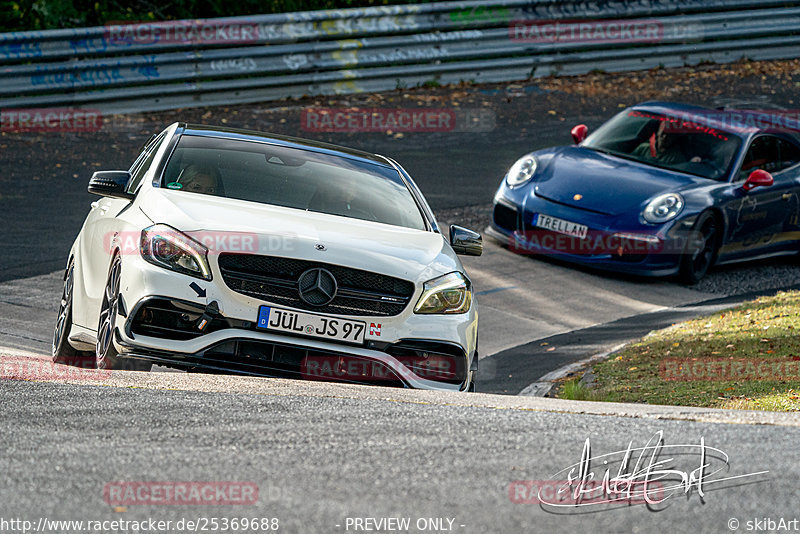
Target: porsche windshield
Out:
[293,178]
[685,144]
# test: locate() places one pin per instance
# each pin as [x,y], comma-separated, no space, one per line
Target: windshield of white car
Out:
[684,144]
[292,178]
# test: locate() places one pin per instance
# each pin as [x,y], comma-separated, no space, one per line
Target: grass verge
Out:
[744,358]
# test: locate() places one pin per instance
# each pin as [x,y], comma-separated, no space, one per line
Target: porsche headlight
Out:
[522,171]
[166,247]
[451,293]
[663,208]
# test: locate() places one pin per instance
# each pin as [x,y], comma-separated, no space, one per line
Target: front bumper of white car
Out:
[163,311]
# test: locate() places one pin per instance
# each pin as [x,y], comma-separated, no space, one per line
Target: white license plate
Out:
[309,324]
[560,225]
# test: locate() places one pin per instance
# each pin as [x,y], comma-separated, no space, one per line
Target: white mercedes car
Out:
[234,251]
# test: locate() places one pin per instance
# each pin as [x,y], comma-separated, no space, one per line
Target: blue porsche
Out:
[661,189]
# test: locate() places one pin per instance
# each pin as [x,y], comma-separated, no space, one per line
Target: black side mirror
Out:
[465,241]
[110,184]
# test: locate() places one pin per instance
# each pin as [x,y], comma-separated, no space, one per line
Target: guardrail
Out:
[164,65]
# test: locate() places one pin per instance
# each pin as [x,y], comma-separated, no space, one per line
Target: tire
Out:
[62,352]
[701,250]
[106,354]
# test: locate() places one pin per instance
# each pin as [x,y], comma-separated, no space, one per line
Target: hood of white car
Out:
[230,225]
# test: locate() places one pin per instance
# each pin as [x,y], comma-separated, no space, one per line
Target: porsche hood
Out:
[594,181]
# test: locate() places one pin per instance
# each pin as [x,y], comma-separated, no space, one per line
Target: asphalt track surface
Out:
[322,453]
[320,456]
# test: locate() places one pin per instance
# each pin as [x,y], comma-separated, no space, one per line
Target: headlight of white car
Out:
[521,171]
[166,247]
[451,293]
[663,208]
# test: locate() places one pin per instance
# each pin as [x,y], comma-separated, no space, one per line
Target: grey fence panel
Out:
[334,24]
[260,60]
[376,49]
[397,49]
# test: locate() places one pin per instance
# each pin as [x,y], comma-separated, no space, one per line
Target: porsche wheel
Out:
[701,250]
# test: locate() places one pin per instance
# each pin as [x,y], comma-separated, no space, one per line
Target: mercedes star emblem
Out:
[316,287]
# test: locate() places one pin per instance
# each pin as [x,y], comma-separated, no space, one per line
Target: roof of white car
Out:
[283,140]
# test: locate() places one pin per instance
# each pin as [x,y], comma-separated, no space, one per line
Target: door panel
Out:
[763,219]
